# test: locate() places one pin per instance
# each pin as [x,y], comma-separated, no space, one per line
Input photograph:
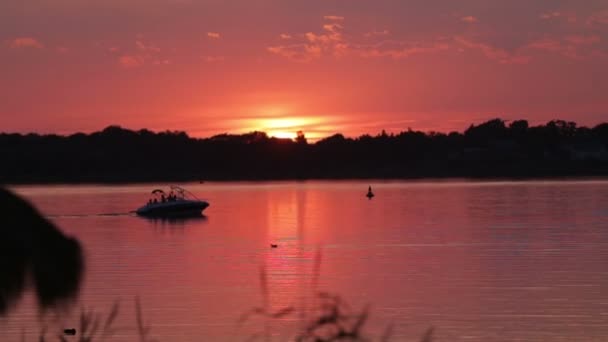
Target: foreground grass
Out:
[329,319]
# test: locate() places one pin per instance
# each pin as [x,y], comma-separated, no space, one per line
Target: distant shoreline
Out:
[362,180]
[489,151]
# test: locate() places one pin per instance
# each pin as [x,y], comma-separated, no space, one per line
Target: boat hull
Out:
[173,209]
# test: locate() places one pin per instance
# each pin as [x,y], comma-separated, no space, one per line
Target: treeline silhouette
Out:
[491,149]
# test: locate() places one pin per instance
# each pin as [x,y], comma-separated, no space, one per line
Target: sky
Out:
[321,66]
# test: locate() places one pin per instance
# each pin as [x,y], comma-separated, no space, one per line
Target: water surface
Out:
[479,261]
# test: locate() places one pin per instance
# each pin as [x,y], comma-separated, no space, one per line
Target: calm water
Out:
[497,261]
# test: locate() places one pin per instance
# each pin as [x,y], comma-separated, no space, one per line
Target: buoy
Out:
[370,194]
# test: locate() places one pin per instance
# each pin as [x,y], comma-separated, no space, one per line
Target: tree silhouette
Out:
[494,148]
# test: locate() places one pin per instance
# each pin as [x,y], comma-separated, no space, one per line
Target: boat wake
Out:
[130,213]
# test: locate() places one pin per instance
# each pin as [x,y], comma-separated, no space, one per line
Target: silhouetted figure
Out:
[369,194]
[31,247]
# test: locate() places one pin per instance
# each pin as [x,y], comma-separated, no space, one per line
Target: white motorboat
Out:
[177,203]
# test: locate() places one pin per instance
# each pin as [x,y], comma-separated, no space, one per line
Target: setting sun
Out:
[282,134]
[285,127]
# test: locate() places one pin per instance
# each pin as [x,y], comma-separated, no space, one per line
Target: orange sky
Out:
[322,66]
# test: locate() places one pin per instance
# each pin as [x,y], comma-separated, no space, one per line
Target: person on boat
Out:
[163,199]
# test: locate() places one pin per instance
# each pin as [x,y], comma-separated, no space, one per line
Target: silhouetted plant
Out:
[93,326]
[331,318]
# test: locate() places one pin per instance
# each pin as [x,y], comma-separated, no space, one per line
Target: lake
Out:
[478,261]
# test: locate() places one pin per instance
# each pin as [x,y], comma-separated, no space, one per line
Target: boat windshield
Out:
[176,193]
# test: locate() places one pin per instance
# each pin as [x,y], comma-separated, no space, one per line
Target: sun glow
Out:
[282,126]
[282,121]
[282,134]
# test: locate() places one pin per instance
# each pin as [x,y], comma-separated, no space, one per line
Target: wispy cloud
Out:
[550,15]
[213,35]
[285,36]
[214,59]
[600,17]
[555,15]
[146,48]
[141,54]
[400,50]
[296,52]
[377,33]
[469,19]
[577,47]
[500,55]
[130,61]
[333,17]
[25,42]
[582,39]
[331,41]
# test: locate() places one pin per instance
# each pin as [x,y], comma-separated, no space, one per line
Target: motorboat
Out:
[177,203]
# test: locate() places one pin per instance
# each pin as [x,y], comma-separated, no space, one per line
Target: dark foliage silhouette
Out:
[490,149]
[31,247]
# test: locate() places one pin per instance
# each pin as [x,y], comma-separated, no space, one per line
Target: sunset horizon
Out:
[304,170]
[320,67]
[280,128]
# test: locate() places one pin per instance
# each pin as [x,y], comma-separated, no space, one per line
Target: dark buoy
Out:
[369,194]
[272,245]
[69,331]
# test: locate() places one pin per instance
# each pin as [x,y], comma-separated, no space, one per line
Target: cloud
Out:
[400,50]
[285,36]
[214,59]
[550,15]
[130,61]
[25,42]
[600,17]
[297,52]
[502,56]
[141,54]
[582,40]
[469,19]
[213,35]
[146,48]
[577,47]
[554,15]
[314,45]
[377,33]
[333,17]
[331,41]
